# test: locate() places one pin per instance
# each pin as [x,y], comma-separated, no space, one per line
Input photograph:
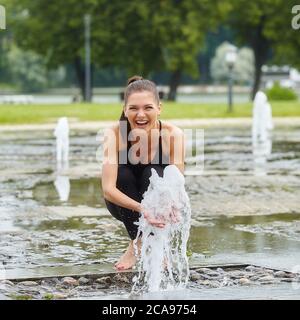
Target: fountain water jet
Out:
[163,263]
[262,126]
[61,133]
[62,182]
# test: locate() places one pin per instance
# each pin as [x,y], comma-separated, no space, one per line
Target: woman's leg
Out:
[127,183]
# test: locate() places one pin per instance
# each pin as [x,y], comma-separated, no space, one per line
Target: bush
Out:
[279,93]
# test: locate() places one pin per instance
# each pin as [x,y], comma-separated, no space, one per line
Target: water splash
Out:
[163,263]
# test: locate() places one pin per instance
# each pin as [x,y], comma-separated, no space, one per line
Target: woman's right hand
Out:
[175,215]
[159,223]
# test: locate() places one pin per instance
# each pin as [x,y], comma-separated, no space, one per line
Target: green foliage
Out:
[53,29]
[254,19]
[27,70]
[254,24]
[286,40]
[140,36]
[280,93]
[5,86]
[144,37]
[181,27]
[243,69]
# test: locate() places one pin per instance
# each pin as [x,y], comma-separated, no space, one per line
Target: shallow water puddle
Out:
[81,192]
[101,240]
[222,200]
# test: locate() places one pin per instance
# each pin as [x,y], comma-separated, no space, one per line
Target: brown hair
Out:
[138,84]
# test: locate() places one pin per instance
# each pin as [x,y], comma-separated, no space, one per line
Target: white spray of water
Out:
[62,182]
[163,263]
[61,133]
[262,126]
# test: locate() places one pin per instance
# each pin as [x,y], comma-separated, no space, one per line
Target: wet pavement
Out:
[239,214]
[229,280]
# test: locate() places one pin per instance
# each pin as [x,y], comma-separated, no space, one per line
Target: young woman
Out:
[138,143]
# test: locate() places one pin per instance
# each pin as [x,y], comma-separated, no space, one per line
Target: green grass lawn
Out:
[27,114]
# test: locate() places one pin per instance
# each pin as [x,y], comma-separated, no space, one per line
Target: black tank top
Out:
[163,160]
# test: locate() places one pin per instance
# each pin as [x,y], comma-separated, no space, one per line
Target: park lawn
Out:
[29,114]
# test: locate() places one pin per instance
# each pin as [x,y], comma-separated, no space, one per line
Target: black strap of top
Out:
[160,144]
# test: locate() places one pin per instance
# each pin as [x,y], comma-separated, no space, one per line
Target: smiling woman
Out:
[138,143]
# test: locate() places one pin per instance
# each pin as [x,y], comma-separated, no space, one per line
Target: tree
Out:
[243,70]
[254,25]
[150,36]
[54,30]
[140,36]
[131,40]
[181,28]
[286,35]
[4,69]
[27,70]
[121,33]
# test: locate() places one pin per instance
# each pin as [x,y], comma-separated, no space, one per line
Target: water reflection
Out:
[80,192]
[62,185]
[258,239]
[62,181]
[272,239]
[61,133]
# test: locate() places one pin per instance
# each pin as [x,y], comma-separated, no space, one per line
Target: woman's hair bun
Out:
[133,79]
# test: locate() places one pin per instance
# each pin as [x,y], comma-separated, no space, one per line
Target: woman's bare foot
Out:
[129,258]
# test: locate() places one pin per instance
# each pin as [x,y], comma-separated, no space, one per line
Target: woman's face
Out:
[142,110]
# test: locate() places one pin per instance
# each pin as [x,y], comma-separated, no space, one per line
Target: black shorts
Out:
[133,180]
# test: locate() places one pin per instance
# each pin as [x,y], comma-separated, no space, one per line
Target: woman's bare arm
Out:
[110,173]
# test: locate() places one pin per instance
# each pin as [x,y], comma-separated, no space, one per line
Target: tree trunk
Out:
[257,77]
[261,47]
[79,70]
[174,83]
